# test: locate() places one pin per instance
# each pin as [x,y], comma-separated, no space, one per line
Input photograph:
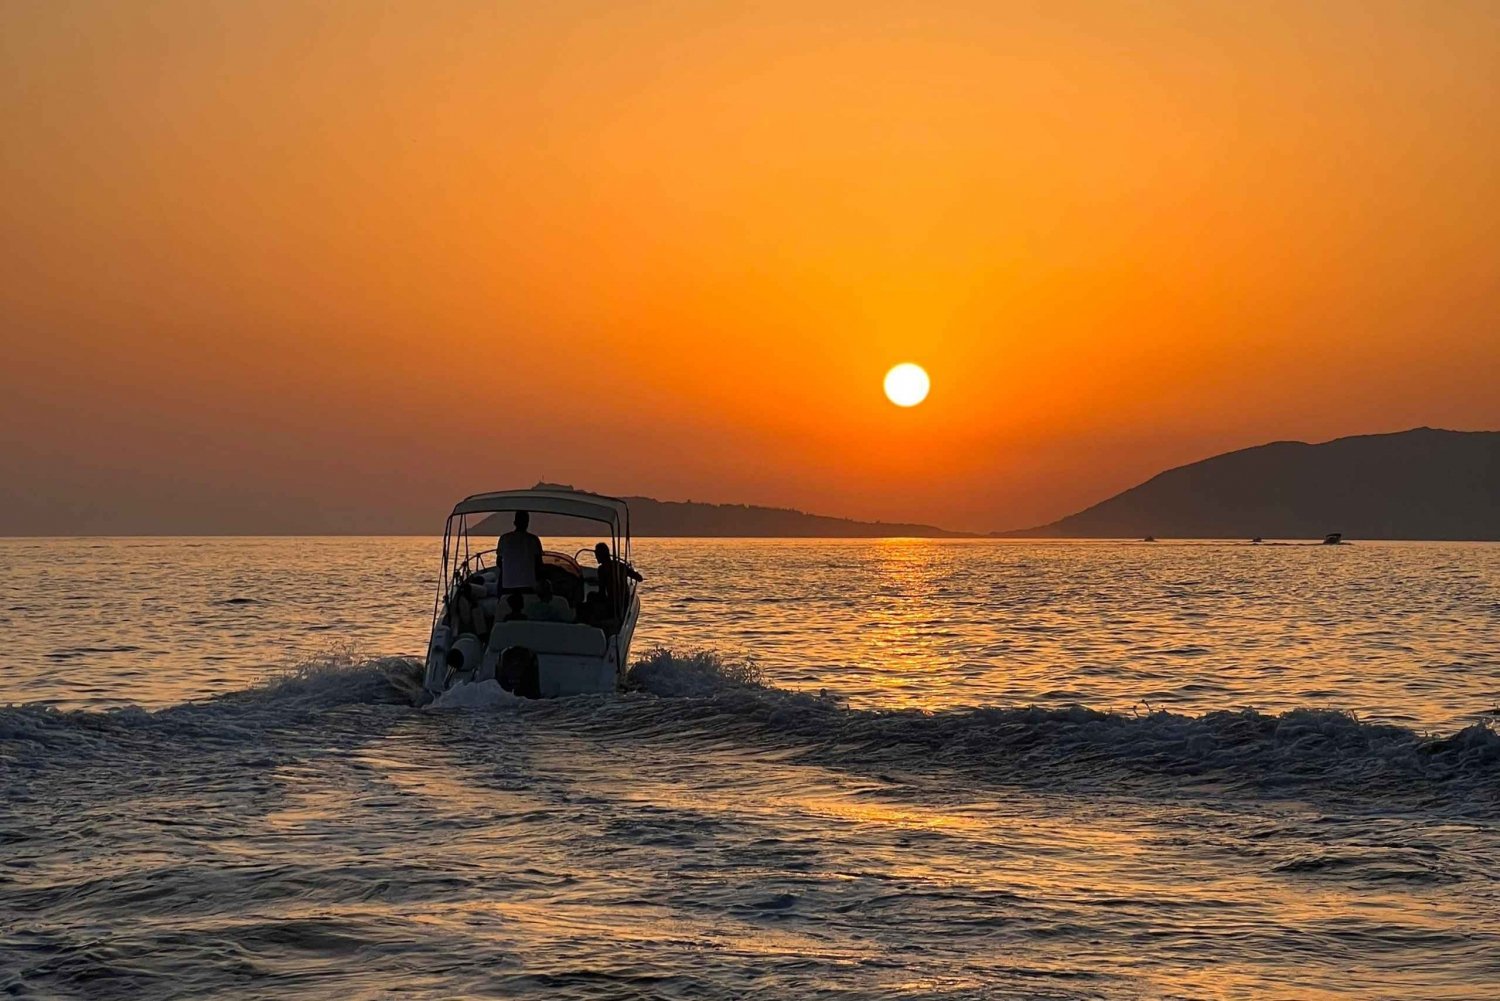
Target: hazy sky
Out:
[322,266]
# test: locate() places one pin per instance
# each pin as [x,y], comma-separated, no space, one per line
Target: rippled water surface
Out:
[965,769]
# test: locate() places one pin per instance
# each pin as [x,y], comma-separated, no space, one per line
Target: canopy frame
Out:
[610,511]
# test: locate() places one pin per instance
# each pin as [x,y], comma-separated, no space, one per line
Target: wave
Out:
[341,678]
[700,694]
[285,696]
[1300,753]
[1241,750]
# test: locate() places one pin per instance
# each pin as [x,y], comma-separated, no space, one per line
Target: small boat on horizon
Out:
[1333,538]
[578,644]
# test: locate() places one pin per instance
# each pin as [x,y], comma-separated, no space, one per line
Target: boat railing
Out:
[474,563]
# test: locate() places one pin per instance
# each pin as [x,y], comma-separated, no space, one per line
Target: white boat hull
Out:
[572,659]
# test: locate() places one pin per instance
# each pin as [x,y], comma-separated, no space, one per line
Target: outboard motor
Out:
[437,661]
[464,654]
[520,673]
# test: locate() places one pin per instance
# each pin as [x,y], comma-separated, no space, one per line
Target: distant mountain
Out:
[651,517]
[1418,484]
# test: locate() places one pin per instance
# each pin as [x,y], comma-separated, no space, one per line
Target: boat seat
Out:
[568,638]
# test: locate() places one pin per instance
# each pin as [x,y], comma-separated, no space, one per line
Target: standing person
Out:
[612,575]
[520,555]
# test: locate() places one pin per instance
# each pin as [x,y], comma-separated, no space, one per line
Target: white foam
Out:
[475,695]
[698,672]
[340,678]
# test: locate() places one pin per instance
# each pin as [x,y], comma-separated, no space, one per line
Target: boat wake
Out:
[700,695]
[304,694]
[1243,751]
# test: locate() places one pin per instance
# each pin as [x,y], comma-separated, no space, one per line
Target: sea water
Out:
[849,769]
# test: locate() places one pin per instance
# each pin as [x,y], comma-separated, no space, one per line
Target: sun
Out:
[906,385]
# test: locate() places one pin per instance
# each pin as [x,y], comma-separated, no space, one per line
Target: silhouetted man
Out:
[612,580]
[520,555]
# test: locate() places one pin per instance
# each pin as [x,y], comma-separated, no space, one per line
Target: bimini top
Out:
[553,500]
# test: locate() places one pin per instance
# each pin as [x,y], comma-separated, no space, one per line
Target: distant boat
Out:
[1256,539]
[1333,538]
[1149,538]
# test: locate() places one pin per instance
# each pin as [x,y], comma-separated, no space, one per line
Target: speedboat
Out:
[471,639]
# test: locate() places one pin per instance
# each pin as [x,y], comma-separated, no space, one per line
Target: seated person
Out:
[515,600]
[548,607]
[595,610]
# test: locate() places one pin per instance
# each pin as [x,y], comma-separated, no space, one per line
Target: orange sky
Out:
[278,267]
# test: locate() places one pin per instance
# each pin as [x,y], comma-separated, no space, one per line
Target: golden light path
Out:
[907,384]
